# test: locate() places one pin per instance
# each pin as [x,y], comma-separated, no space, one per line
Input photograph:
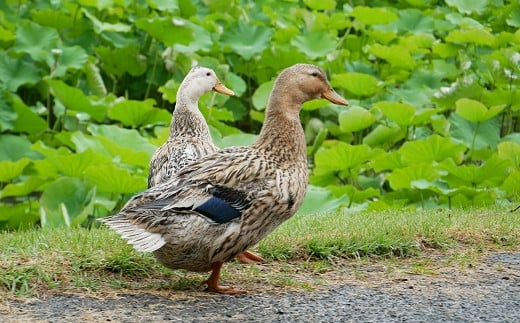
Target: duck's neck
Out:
[188,122]
[282,133]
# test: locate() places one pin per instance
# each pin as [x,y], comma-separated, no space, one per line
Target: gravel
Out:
[488,292]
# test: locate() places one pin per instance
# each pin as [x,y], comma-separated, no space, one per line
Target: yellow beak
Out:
[221,88]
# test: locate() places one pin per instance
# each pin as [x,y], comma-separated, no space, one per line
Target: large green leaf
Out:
[401,113]
[341,156]
[492,173]
[357,83]
[7,114]
[15,147]
[246,40]
[468,7]
[398,56]
[510,184]
[402,178]
[355,118]
[510,150]
[112,179]
[73,57]
[22,188]
[475,111]
[319,200]
[27,121]
[167,30]
[127,138]
[35,40]
[100,26]
[12,169]
[76,100]
[432,149]
[261,95]
[320,4]
[373,16]
[138,113]
[63,200]
[17,72]
[315,44]
[475,135]
[133,63]
[22,215]
[471,36]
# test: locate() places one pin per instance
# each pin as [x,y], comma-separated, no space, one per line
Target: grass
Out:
[298,253]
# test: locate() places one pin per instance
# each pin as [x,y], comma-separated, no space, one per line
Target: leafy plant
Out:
[87,90]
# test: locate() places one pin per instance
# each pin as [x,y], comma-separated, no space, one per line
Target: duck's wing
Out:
[213,188]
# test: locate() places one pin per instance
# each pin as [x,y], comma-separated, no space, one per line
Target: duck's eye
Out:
[208,74]
[315,74]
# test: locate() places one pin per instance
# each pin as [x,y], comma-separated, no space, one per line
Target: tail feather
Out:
[139,238]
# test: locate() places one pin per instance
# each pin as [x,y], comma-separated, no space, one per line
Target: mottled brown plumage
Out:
[227,201]
[189,137]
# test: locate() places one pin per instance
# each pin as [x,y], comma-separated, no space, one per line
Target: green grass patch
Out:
[98,260]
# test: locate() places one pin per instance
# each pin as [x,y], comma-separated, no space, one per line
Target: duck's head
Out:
[306,82]
[201,80]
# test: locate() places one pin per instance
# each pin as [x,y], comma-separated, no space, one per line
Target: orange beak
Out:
[221,88]
[334,97]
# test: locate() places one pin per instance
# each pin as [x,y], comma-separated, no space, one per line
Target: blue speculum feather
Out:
[218,210]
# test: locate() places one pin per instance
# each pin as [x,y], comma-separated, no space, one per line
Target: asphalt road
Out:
[487,292]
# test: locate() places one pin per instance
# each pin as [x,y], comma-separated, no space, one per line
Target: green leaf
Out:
[357,83]
[28,121]
[388,161]
[15,147]
[354,195]
[112,179]
[415,21]
[75,100]
[320,4]
[75,165]
[100,27]
[167,30]
[434,148]
[127,138]
[475,135]
[239,139]
[73,57]
[398,56]
[35,40]
[66,193]
[315,44]
[402,178]
[23,188]
[475,111]
[22,215]
[510,150]
[133,63]
[492,173]
[246,40]
[341,156]
[514,18]
[17,72]
[355,118]
[12,169]
[382,135]
[468,7]
[261,95]
[138,113]
[319,200]
[510,184]
[471,36]
[373,16]
[7,114]
[401,113]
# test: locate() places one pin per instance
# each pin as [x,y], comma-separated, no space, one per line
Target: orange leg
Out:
[213,279]
[247,257]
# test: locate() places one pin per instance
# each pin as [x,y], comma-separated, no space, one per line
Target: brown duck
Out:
[227,201]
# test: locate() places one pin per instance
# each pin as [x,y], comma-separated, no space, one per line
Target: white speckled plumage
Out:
[189,137]
[262,185]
